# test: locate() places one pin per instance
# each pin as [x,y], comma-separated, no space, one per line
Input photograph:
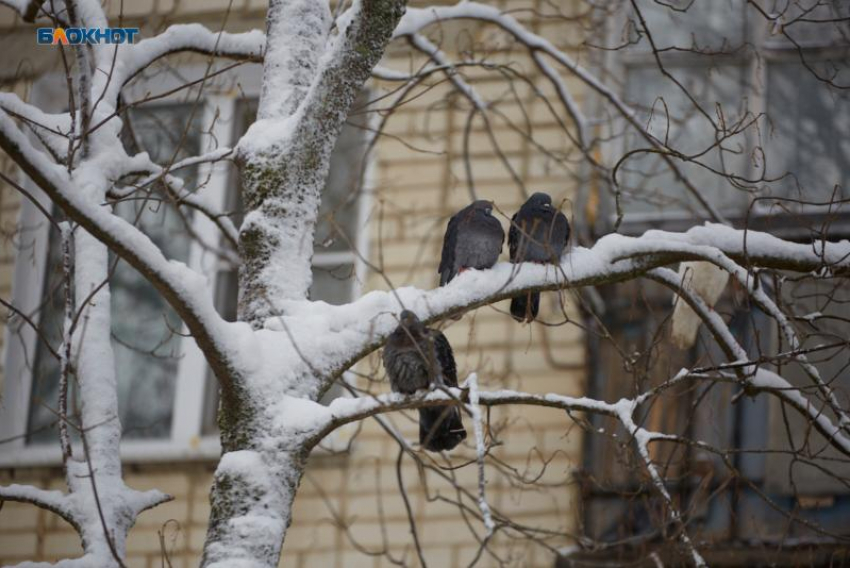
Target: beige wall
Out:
[414,194]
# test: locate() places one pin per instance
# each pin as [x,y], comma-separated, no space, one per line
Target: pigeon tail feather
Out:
[526,307]
[440,428]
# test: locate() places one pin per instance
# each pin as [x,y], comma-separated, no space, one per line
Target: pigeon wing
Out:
[563,226]
[514,236]
[445,358]
[447,257]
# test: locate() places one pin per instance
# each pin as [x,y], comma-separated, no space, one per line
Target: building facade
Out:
[565,481]
[349,511]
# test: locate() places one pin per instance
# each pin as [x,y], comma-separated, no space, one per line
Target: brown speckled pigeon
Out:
[473,240]
[538,233]
[415,358]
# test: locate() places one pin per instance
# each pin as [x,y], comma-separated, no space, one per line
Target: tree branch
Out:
[751,377]
[614,258]
[181,38]
[418,18]
[53,501]
[27,9]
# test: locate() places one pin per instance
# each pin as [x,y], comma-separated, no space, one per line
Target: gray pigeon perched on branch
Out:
[416,358]
[473,240]
[538,233]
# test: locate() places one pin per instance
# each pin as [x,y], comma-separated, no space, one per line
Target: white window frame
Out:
[186,441]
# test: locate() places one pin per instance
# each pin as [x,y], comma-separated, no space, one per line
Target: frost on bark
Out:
[285,156]
[284,159]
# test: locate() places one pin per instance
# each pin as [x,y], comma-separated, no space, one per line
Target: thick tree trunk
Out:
[310,79]
[281,178]
[251,500]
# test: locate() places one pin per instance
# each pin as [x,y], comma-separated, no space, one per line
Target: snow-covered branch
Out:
[344,334]
[53,130]
[184,196]
[27,9]
[751,377]
[51,500]
[177,38]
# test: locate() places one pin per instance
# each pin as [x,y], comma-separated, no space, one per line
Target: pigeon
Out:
[473,240]
[538,233]
[416,358]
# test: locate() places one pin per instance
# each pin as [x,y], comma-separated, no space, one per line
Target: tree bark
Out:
[309,84]
[251,501]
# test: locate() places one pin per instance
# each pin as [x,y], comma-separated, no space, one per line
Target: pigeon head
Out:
[540,199]
[409,320]
[483,206]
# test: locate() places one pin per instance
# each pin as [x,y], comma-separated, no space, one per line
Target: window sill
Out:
[792,226]
[206,448]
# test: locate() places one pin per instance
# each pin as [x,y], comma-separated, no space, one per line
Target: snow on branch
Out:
[27,9]
[51,500]
[177,38]
[344,334]
[750,283]
[159,172]
[480,451]
[753,378]
[642,437]
[52,130]
[173,186]
[324,419]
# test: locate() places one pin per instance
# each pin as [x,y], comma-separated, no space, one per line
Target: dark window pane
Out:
[811,135]
[332,284]
[685,24]
[649,186]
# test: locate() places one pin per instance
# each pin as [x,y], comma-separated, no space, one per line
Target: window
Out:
[147,344]
[167,403]
[622,509]
[724,55]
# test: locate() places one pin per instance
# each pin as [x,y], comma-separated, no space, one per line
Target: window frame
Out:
[617,64]
[186,441]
